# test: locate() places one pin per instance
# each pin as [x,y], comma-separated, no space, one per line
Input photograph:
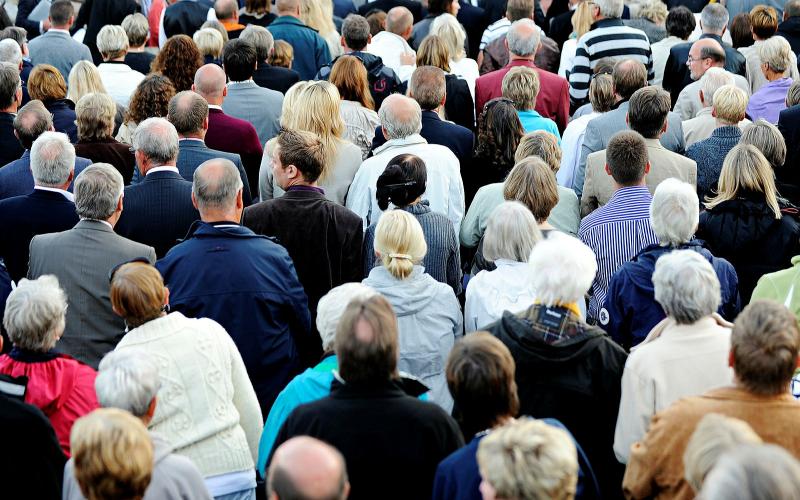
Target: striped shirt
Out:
[607,38]
[494,31]
[616,232]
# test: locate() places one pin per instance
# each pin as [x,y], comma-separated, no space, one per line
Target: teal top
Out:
[533,121]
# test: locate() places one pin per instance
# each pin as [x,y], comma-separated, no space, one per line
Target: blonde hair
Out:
[521,85]
[777,54]
[209,41]
[291,100]
[582,19]
[318,14]
[137,293]
[746,169]
[729,104]
[532,183]
[84,79]
[447,27]
[654,10]
[112,41]
[94,115]
[434,52]
[112,454]
[542,144]
[400,242]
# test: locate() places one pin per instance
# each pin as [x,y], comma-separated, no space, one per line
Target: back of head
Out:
[521,85]
[292,100]
[98,189]
[610,9]
[398,20]
[674,212]
[112,455]
[136,28]
[179,59]
[686,286]
[151,98]
[46,83]
[777,53]
[355,31]
[648,111]
[764,346]
[137,293]
[349,75]
[239,58]
[680,22]
[511,233]
[767,138]
[331,307]
[764,21]
[260,38]
[52,159]
[713,79]
[754,471]
[745,169]
[376,19]
[519,9]
[157,139]
[447,27]
[629,76]
[400,116]
[60,13]
[317,111]
[94,114]
[127,380]
[285,7]
[216,184]
[528,458]
[304,150]
[305,468]
[84,78]
[626,157]
[216,25]
[210,81]
[793,96]
[434,52]
[791,8]
[402,182]
[437,7]
[653,10]
[499,133]
[187,111]
[10,83]
[32,120]
[532,183]
[570,265]
[34,313]
[714,18]
[367,345]
[542,144]
[729,103]
[225,9]
[400,242]
[523,37]
[209,42]
[10,52]
[427,87]
[112,41]
[741,31]
[16,33]
[601,93]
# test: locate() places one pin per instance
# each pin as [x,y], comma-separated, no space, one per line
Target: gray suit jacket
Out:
[81,258]
[193,152]
[257,105]
[600,130]
[59,50]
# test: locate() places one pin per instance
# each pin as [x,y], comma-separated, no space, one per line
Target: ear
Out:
[194,202]
[666,125]
[166,296]
[239,200]
[608,169]
[647,168]
[627,120]
[714,111]
[702,98]
[151,408]
[730,358]
[224,91]
[205,123]
[341,41]
[369,39]
[71,177]
[119,203]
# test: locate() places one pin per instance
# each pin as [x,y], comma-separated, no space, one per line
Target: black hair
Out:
[402,182]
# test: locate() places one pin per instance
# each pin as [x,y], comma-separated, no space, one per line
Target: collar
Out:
[195,139]
[703,112]
[245,83]
[29,356]
[114,66]
[520,62]
[312,189]
[231,25]
[224,224]
[411,140]
[433,115]
[58,30]
[653,143]
[65,194]
[732,131]
[97,220]
[288,20]
[607,23]
[531,112]
[214,106]
[626,193]
[162,168]
[715,37]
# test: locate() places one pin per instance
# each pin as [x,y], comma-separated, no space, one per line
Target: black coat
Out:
[275,77]
[184,17]
[790,30]
[474,21]
[95,14]
[63,111]
[385,5]
[458,139]
[10,148]
[109,151]
[788,175]
[24,9]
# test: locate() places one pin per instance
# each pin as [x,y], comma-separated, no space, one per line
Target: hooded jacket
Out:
[631,305]
[382,79]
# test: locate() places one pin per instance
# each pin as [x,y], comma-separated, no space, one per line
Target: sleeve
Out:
[358,199]
[277,416]
[151,255]
[244,397]
[265,191]
[247,197]
[619,321]
[470,303]
[454,264]
[562,113]
[323,54]
[592,141]
[589,200]
[670,75]
[353,252]
[643,466]
[471,232]
[636,407]
[455,209]
[683,105]
[162,37]
[580,75]
[83,15]
[308,344]
[24,9]
[651,74]
[369,251]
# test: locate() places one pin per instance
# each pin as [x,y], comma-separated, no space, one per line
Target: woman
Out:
[46,84]
[435,9]
[402,184]
[769,140]
[316,109]
[207,407]
[428,314]
[210,43]
[510,236]
[744,222]
[95,118]
[349,76]
[178,60]
[763,26]
[149,100]
[85,79]
[318,15]
[581,23]
[776,62]
[459,107]
[741,31]
[256,12]
[282,54]
[62,387]
[650,18]
[447,27]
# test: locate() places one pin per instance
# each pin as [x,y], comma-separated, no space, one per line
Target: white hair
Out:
[611,9]
[447,27]
[34,315]
[511,233]
[523,43]
[686,286]
[400,116]
[754,471]
[674,212]
[52,159]
[332,305]
[157,139]
[712,80]
[112,40]
[562,269]
[128,380]
[777,53]
[714,18]
[10,52]
[98,189]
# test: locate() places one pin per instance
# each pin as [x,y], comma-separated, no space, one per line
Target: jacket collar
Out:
[191,143]
[607,23]
[162,174]
[200,229]
[291,20]
[430,115]
[411,140]
[732,131]
[520,62]
[739,394]
[653,143]
[94,225]
[247,84]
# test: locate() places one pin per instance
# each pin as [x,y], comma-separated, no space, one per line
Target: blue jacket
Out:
[16,178]
[246,283]
[631,305]
[310,50]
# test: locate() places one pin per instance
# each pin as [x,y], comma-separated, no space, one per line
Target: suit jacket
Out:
[458,139]
[264,117]
[599,186]
[82,258]
[16,178]
[275,77]
[415,7]
[184,17]
[158,211]
[790,30]
[193,152]
[228,133]
[23,217]
[58,49]
[788,175]
[109,151]
[95,14]
[63,111]
[10,148]
[24,9]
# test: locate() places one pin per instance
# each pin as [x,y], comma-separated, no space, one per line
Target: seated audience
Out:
[119,78]
[458,105]
[85,79]
[267,76]
[361,122]
[776,61]
[521,85]
[310,50]
[47,85]
[95,120]
[766,470]
[138,32]
[210,43]
[763,26]
[305,467]
[149,100]
[56,46]
[703,125]
[179,59]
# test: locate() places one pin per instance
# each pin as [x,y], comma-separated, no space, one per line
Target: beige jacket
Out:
[701,126]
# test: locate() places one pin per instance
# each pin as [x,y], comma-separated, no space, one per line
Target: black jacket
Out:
[787,176]
[275,77]
[456,138]
[693,5]
[184,17]
[385,5]
[24,9]
[10,148]
[459,107]
[63,111]
[790,30]
[95,14]
[474,21]
[382,79]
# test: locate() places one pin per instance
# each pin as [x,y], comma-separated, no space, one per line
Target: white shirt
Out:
[494,31]
[389,47]
[98,220]
[120,81]
[65,194]
[490,293]
[466,69]
[567,55]
[163,168]
[571,143]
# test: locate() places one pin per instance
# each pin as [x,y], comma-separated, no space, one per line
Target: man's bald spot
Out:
[316,469]
[398,19]
[30,114]
[287,5]
[400,106]
[210,80]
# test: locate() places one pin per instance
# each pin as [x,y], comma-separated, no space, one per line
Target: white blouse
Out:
[490,293]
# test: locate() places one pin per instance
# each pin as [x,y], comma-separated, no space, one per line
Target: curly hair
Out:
[178,60]
[150,99]
[499,133]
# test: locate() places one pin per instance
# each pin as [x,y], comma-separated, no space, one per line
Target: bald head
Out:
[226,9]
[399,20]
[288,7]
[629,76]
[705,53]
[32,120]
[400,116]
[209,82]
[217,191]
[188,111]
[307,468]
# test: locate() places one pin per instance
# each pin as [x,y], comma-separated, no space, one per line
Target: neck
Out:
[721,123]
[150,166]
[216,101]
[63,27]
[220,215]
[11,109]
[713,33]
[193,135]
[515,57]
[114,218]
[140,48]
[617,187]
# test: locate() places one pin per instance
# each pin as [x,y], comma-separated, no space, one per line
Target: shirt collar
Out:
[315,189]
[98,220]
[214,106]
[56,30]
[406,141]
[629,192]
[162,168]
[65,194]
[607,23]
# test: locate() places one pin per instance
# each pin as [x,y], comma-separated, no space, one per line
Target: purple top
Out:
[769,100]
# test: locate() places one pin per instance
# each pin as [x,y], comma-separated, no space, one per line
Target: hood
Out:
[745,220]
[373,63]
[642,274]
[408,296]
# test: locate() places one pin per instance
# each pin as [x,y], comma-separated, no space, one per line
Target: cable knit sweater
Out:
[207,408]
[709,155]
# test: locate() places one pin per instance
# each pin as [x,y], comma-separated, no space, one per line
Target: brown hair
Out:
[433,52]
[763,21]
[532,183]
[45,83]
[626,156]
[150,99]
[521,85]
[629,76]
[367,341]
[350,77]
[178,60]
[282,54]
[137,293]
[304,150]
[648,111]
[542,144]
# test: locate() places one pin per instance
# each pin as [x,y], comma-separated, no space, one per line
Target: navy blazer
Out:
[192,153]
[23,217]
[16,178]
[456,138]
[787,175]
[158,211]
[275,77]
[10,148]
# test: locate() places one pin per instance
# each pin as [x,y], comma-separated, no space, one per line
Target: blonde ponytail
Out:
[400,242]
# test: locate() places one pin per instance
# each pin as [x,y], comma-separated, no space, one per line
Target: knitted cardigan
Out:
[709,155]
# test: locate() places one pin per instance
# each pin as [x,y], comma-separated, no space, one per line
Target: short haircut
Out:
[713,79]
[511,233]
[355,31]
[402,182]
[777,53]
[9,83]
[542,144]
[793,95]
[331,307]
[260,38]
[754,471]
[209,42]
[629,76]
[34,313]
[157,139]
[187,111]
[225,9]
[45,83]
[94,114]
[112,41]
[52,159]
[601,93]
[674,212]
[10,52]
[367,341]
[610,8]
[767,138]
[452,33]
[528,458]
[792,8]
[534,185]
[686,286]
[714,18]
[137,29]
[303,150]
[60,12]
[519,9]
[303,467]
[437,7]
[626,156]
[521,85]
[32,120]
[562,269]
[680,22]
[16,33]
[282,54]
[648,111]
[127,379]
[427,87]
[523,37]
[400,242]
[398,20]
[764,21]
[714,52]
[400,116]
[239,58]
[730,104]
[217,191]
[98,189]
[112,454]
[376,19]
[137,293]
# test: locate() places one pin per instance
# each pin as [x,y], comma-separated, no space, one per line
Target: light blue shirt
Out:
[533,121]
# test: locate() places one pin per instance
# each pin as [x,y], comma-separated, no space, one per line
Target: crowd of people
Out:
[450,249]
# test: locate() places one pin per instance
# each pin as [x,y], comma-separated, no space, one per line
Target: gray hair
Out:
[610,9]
[32,120]
[112,41]
[34,315]
[686,286]
[511,233]
[209,41]
[128,380]
[777,53]
[768,139]
[10,52]
[427,86]
[186,111]
[260,38]
[562,269]
[754,471]
[52,159]
[398,19]
[712,80]
[355,31]
[400,116]
[157,139]
[98,189]
[136,28]
[523,42]
[216,191]
[714,18]
[332,305]
[674,212]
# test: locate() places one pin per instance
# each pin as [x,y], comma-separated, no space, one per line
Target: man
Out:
[620,229]
[32,28]
[310,49]
[522,41]
[302,211]
[239,60]
[10,101]
[31,121]
[705,54]
[188,112]
[515,10]
[18,35]
[629,76]
[790,27]
[401,123]
[119,79]
[56,47]
[267,76]
[355,37]
[416,8]
[703,124]
[183,17]
[48,209]
[158,210]
[95,14]
[391,442]
[391,44]
[609,37]
[227,12]
[225,132]
[243,281]
[304,467]
[647,115]
[763,354]
[428,88]
[82,258]
[713,23]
